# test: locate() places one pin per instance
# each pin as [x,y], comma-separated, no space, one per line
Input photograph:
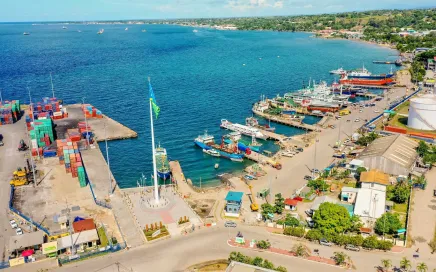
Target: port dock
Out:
[257,157]
[284,121]
[114,129]
[370,86]
[369,95]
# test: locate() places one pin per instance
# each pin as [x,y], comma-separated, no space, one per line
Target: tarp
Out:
[77,218]
[401,231]
[27,253]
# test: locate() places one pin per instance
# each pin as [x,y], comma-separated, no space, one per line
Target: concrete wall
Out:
[374,186]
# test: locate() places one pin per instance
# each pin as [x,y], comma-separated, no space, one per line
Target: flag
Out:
[154,105]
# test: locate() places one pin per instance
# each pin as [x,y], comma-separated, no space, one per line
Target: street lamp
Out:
[86,124]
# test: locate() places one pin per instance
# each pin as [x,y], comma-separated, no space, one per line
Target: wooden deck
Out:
[284,121]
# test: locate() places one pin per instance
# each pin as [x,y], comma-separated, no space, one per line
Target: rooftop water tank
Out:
[422,112]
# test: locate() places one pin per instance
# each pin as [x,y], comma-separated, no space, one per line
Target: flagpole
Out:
[156,193]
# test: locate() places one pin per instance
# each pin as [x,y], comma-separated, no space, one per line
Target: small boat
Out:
[216,165]
[64,27]
[211,152]
[144,30]
[100,31]
[339,71]
[195,30]
[126,29]
[79,31]
[234,136]
[249,177]
[26,33]
[162,164]
[228,151]
[253,122]
[237,159]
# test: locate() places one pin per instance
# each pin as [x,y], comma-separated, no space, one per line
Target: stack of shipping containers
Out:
[69,156]
[9,112]
[91,112]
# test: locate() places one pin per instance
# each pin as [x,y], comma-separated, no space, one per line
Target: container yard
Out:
[10,112]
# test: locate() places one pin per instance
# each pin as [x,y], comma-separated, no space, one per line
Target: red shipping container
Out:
[396,129]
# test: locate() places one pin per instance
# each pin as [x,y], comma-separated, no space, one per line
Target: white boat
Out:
[195,30]
[363,72]
[237,159]
[26,33]
[144,30]
[211,152]
[245,130]
[126,29]
[234,136]
[64,27]
[79,31]
[339,71]
[100,31]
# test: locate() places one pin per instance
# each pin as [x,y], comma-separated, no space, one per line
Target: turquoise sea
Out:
[198,78]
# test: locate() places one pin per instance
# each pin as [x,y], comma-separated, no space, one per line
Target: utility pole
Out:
[33,119]
[52,88]
[108,162]
[86,124]
[70,223]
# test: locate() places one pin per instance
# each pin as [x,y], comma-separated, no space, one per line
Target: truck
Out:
[344,112]
[275,164]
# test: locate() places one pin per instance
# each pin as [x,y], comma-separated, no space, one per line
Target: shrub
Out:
[313,235]
[384,245]
[341,239]
[262,244]
[356,240]
[294,231]
[370,242]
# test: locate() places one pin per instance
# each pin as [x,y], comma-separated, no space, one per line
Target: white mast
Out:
[52,88]
[156,193]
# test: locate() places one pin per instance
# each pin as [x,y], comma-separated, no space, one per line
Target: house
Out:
[291,204]
[233,203]
[25,244]
[371,198]
[395,155]
[349,194]
[80,241]
[354,164]
[82,225]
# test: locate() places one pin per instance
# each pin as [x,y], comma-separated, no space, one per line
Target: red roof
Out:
[291,202]
[82,225]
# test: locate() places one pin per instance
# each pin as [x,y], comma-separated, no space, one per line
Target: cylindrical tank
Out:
[422,112]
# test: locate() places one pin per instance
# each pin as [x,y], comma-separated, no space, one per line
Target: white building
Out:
[422,112]
[371,198]
[354,164]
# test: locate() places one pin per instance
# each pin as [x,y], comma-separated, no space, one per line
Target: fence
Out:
[98,202]
[11,200]
[108,249]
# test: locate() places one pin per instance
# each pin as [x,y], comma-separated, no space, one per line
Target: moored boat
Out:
[228,151]
[162,164]
[339,71]
[253,122]
[245,130]
[361,81]
[211,152]
[26,33]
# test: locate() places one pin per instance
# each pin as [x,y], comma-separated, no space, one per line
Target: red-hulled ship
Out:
[360,81]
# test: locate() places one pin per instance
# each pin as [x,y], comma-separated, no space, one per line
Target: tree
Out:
[262,244]
[386,263]
[294,231]
[341,239]
[370,242]
[281,269]
[266,209]
[359,170]
[388,223]
[340,258]
[422,148]
[332,218]
[318,184]
[384,245]
[313,235]
[356,240]
[422,267]
[257,261]
[301,250]
[279,203]
[267,264]
[405,264]
[401,192]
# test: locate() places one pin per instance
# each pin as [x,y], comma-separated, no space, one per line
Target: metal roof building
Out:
[394,155]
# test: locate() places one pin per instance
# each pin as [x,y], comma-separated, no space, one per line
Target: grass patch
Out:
[214,267]
[209,266]
[400,208]
[103,238]
[163,232]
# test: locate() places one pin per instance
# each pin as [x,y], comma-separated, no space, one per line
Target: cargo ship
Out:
[365,74]
[245,130]
[162,164]
[230,151]
[361,81]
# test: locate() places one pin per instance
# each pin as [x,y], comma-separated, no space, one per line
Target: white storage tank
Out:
[422,112]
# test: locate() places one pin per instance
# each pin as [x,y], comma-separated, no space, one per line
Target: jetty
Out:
[285,121]
[324,120]
[257,157]
[369,95]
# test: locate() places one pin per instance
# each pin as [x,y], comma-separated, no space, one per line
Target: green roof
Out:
[234,196]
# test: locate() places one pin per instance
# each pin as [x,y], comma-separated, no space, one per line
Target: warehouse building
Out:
[394,155]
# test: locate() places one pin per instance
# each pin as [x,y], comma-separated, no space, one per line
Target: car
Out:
[348,120]
[307,177]
[13,224]
[316,171]
[376,111]
[310,222]
[324,242]
[309,212]
[357,120]
[230,224]
[352,247]
[19,231]
[361,111]
[299,149]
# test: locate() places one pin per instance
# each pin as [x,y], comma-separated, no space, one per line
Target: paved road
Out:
[10,159]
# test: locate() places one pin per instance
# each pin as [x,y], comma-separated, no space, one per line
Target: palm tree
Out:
[301,250]
[386,264]
[422,267]
[405,263]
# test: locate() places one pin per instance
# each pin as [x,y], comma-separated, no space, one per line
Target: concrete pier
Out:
[114,129]
[257,157]
[284,121]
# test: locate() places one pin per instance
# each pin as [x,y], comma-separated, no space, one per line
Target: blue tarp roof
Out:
[349,207]
[234,196]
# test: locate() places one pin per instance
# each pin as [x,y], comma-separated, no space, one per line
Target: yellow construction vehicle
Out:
[22,177]
[254,207]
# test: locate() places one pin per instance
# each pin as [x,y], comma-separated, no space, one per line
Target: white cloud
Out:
[308,6]
[243,5]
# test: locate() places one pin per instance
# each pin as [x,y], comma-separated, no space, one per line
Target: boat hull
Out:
[382,76]
[374,82]
[163,175]
[224,154]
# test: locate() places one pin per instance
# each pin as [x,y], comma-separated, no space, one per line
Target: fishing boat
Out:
[362,81]
[211,152]
[243,146]
[64,27]
[126,29]
[365,74]
[339,71]
[245,130]
[26,33]
[195,30]
[228,151]
[100,31]
[253,122]
[234,136]
[162,164]
[144,30]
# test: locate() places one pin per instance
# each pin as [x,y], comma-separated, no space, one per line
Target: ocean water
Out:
[198,79]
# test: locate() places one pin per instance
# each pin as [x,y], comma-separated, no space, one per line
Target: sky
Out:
[88,10]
